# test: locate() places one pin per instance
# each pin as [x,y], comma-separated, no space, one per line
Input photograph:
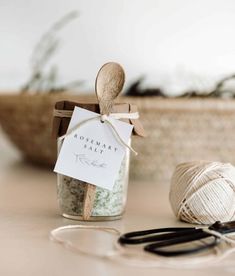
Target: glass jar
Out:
[108,205]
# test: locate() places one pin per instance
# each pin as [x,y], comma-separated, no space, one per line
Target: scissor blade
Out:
[223,227]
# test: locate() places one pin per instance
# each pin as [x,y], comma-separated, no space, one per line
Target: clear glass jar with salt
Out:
[72,193]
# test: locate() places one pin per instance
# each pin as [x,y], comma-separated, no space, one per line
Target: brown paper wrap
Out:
[60,124]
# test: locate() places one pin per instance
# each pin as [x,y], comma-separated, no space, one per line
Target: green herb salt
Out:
[71,193]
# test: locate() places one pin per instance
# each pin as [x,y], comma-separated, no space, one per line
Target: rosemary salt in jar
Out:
[107,205]
[71,192]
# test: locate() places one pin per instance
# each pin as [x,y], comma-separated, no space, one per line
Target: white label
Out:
[91,152]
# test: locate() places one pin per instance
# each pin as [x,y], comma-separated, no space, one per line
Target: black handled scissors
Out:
[160,240]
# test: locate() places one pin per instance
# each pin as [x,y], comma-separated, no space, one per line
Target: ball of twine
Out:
[203,192]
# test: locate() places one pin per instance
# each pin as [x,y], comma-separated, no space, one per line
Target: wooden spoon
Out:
[108,85]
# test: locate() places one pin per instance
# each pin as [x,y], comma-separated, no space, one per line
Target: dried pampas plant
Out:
[46,81]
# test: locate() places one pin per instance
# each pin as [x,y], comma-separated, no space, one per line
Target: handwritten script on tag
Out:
[91,152]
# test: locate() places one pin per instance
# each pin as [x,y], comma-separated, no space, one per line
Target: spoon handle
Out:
[90,191]
[89,198]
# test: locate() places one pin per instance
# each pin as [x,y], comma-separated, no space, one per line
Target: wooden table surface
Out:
[29,211]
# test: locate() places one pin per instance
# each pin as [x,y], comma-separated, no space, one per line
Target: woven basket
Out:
[27,120]
[182,130]
[178,130]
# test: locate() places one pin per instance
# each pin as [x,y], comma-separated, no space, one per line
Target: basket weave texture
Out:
[178,130]
[182,130]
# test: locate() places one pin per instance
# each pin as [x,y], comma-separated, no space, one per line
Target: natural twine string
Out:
[203,192]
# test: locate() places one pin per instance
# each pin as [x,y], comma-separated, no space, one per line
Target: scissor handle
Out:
[164,238]
[161,248]
[145,236]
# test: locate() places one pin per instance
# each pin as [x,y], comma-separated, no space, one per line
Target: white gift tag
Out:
[91,152]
